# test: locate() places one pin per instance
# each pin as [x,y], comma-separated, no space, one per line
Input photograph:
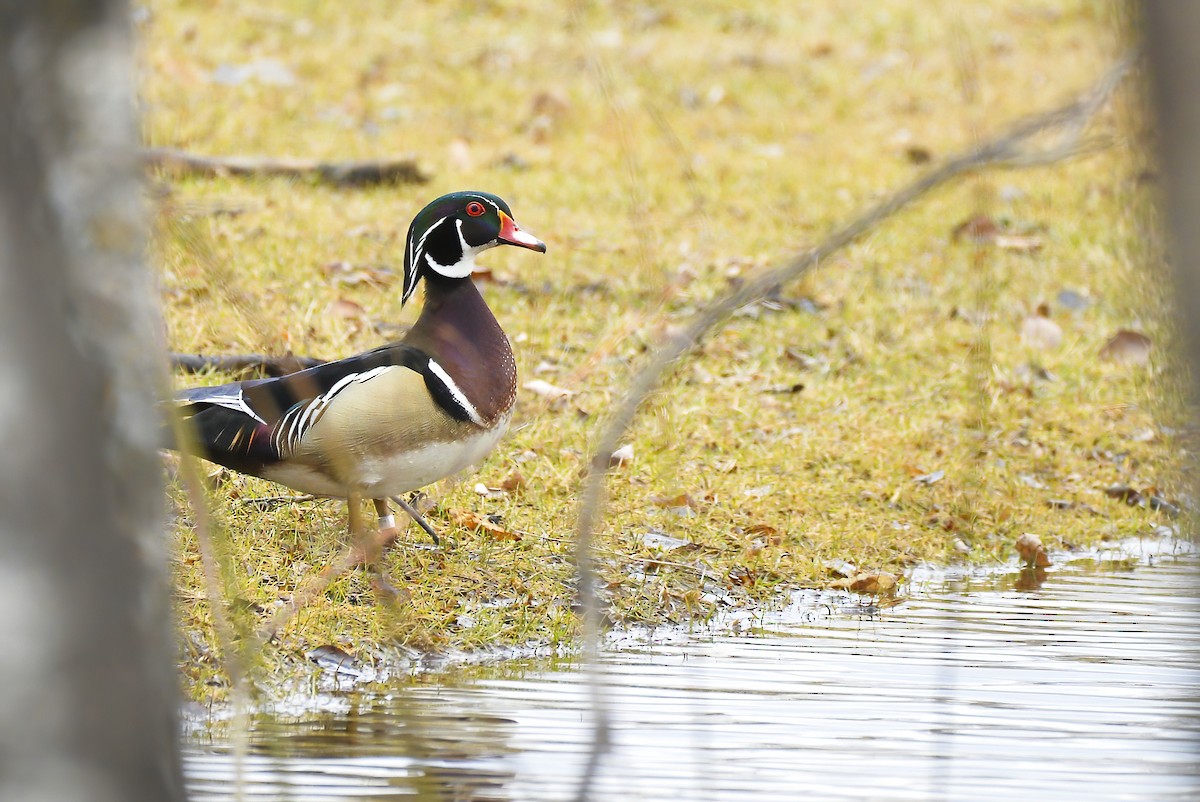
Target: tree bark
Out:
[1171,37]
[88,694]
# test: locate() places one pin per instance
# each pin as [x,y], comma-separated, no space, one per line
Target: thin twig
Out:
[263,503]
[226,641]
[1010,149]
[404,170]
[232,363]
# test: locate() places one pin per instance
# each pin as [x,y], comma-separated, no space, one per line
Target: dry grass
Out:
[663,151]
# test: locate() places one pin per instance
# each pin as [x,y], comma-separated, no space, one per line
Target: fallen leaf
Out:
[978,228]
[1018,242]
[840,568]
[476,522]
[266,71]
[878,583]
[485,275]
[918,154]
[1039,331]
[346,274]
[761,491]
[488,492]
[1072,300]
[740,575]
[1125,493]
[621,456]
[1032,552]
[784,389]
[1160,504]
[460,154]
[551,102]
[1127,348]
[660,541]
[331,658]
[547,390]
[513,482]
[347,309]
[677,500]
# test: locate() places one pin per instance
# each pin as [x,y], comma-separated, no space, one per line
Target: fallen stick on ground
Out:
[403,170]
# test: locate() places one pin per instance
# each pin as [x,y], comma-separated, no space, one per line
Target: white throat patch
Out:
[464,266]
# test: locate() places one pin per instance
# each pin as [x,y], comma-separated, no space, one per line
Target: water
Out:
[1084,688]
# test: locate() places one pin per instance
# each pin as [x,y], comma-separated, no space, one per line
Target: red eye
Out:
[475,208]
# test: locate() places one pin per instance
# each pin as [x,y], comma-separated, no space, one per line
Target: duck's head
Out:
[447,235]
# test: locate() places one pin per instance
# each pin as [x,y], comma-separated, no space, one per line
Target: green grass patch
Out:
[664,152]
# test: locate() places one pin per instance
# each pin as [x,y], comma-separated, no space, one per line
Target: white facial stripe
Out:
[416,252]
[459,397]
[464,266]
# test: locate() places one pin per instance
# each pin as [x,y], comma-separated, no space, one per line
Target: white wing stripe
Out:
[299,419]
[459,396]
[235,401]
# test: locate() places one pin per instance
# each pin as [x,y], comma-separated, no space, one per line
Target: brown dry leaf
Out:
[918,154]
[513,482]
[1125,493]
[485,275]
[476,522]
[348,275]
[1032,552]
[1127,348]
[978,228]
[677,500]
[550,102]
[1039,331]
[347,309]
[767,535]
[877,583]
[741,575]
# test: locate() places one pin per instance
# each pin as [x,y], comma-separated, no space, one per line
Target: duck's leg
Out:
[354,517]
[412,513]
[387,521]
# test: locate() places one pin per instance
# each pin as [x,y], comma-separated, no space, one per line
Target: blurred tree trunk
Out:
[88,692]
[1172,41]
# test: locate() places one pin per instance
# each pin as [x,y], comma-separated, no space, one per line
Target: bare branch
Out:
[1013,148]
[404,170]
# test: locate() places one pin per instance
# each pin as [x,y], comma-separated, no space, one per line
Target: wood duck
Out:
[391,420]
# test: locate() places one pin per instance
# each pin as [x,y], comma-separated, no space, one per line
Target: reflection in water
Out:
[1072,684]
